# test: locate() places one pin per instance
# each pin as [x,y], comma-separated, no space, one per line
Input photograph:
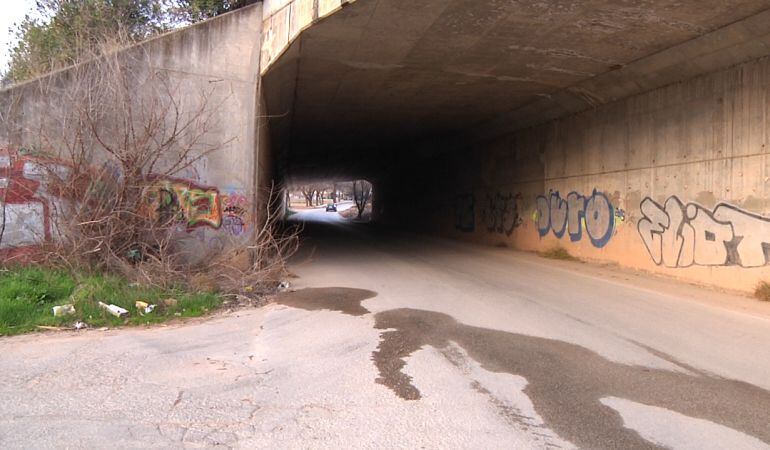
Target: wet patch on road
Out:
[567,381]
[341,299]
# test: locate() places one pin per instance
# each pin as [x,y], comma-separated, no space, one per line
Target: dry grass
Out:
[762,291]
[558,252]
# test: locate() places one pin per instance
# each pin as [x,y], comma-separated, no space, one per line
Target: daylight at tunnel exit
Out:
[385,224]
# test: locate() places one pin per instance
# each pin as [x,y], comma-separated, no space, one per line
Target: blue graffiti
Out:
[595,213]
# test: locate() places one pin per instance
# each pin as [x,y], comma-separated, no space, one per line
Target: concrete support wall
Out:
[219,58]
[285,19]
[675,181]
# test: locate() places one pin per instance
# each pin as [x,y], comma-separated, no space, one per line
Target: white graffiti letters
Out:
[678,235]
[752,231]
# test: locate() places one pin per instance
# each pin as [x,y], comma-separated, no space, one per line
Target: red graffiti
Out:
[26,204]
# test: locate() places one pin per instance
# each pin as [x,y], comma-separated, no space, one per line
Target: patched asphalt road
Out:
[407,341]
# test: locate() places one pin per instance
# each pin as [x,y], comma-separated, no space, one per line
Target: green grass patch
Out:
[28,294]
[762,291]
[558,253]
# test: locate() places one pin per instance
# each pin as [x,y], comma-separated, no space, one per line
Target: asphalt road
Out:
[394,340]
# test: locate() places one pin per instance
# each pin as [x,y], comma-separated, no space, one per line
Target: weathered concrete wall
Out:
[217,59]
[674,181]
[284,20]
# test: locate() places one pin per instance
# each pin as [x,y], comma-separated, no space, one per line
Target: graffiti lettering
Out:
[465,213]
[679,235]
[26,205]
[185,202]
[30,202]
[501,212]
[235,207]
[595,213]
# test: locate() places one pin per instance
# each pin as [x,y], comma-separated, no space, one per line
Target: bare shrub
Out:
[362,193]
[762,291]
[121,133]
[558,252]
[258,264]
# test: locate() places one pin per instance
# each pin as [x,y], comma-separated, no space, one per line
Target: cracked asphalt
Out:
[394,340]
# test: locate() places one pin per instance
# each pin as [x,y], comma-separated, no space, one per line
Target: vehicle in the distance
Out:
[331,207]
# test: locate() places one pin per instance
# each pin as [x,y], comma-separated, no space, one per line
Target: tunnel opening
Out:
[329,201]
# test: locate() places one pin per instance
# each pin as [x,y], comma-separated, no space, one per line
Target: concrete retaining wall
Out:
[284,20]
[218,58]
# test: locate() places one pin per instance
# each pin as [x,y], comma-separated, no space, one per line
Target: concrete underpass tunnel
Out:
[446,104]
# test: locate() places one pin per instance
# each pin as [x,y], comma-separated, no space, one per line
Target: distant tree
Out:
[61,33]
[196,10]
[314,193]
[345,189]
[308,192]
[362,193]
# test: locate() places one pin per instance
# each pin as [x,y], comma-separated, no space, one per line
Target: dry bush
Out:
[762,291]
[558,252]
[120,129]
[258,264]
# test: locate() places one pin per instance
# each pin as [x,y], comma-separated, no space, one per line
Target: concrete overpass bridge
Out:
[629,133]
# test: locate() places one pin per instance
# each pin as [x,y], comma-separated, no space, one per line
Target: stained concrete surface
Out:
[500,349]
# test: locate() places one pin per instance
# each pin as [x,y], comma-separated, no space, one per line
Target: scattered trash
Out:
[115,310]
[170,302]
[248,289]
[79,325]
[178,314]
[63,310]
[284,285]
[143,307]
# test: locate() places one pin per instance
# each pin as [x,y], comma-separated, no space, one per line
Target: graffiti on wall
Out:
[185,202]
[683,235]
[235,207]
[193,205]
[594,214]
[27,203]
[502,212]
[465,213]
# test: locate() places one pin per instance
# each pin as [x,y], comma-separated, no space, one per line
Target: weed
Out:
[28,294]
[558,252]
[762,291]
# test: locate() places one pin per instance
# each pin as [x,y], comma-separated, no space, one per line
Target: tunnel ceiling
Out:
[380,72]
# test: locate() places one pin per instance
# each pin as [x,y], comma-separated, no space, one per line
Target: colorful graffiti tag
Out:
[594,213]
[29,205]
[235,207]
[194,205]
[465,213]
[185,202]
[679,235]
[501,212]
